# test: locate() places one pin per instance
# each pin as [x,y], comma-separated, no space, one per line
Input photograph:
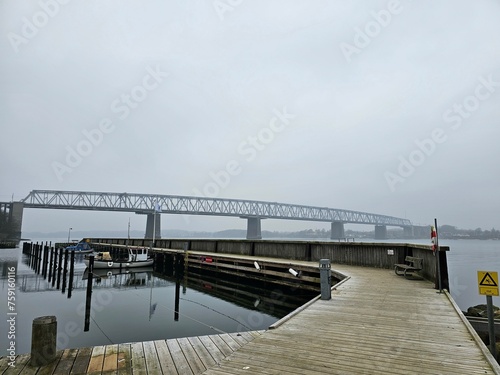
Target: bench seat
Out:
[412,265]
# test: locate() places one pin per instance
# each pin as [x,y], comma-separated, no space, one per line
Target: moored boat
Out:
[138,257]
[80,247]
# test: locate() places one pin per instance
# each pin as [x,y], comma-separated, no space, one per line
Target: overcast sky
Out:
[389,107]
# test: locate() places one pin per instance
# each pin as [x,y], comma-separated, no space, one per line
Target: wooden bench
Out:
[413,265]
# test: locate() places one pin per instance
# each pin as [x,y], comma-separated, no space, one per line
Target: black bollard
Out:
[43,340]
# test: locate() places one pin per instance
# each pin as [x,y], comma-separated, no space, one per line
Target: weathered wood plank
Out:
[138,360]
[192,357]
[151,358]
[66,363]
[124,359]
[96,360]
[213,349]
[221,344]
[21,366]
[110,364]
[49,369]
[232,343]
[180,361]
[239,338]
[165,358]
[82,361]
[202,352]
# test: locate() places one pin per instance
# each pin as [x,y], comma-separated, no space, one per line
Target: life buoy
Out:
[110,273]
[110,264]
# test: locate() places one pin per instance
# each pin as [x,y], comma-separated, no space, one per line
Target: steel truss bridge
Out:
[254,211]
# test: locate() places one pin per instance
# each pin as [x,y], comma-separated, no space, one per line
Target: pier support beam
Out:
[156,224]
[253,228]
[380,232]
[408,232]
[337,230]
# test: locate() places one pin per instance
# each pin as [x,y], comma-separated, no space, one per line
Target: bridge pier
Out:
[408,232]
[253,228]
[153,226]
[337,231]
[12,220]
[380,232]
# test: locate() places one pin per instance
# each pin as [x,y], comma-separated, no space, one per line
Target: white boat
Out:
[138,257]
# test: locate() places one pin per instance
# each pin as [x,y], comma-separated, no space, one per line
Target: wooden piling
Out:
[50,264]
[88,298]
[59,268]
[71,273]
[43,340]
[65,271]
[54,267]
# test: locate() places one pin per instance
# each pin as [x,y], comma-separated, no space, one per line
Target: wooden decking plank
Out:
[213,349]
[21,366]
[165,358]
[192,357]
[202,352]
[96,360]
[66,362]
[238,337]
[151,358]
[110,364]
[82,361]
[232,343]
[124,359]
[49,369]
[138,361]
[180,361]
[221,344]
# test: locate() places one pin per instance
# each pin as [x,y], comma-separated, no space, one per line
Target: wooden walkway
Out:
[185,356]
[375,323]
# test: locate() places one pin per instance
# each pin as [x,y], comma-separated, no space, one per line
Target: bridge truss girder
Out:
[188,205]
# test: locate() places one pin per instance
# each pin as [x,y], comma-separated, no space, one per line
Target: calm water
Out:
[136,306]
[139,306]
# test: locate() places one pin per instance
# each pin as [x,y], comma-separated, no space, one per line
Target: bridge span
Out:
[153,205]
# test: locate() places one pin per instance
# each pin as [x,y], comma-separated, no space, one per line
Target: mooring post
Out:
[50,264]
[88,298]
[54,267]
[71,273]
[43,340]
[325,275]
[59,268]
[65,270]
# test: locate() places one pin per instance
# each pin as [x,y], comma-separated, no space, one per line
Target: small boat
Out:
[135,258]
[80,247]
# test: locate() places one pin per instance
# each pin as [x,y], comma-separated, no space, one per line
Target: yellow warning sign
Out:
[487,282]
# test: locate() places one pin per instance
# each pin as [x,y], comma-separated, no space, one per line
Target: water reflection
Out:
[138,304]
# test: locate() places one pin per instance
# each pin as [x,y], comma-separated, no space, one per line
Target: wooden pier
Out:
[375,323]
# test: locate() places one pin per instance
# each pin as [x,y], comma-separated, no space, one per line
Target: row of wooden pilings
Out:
[52,264]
